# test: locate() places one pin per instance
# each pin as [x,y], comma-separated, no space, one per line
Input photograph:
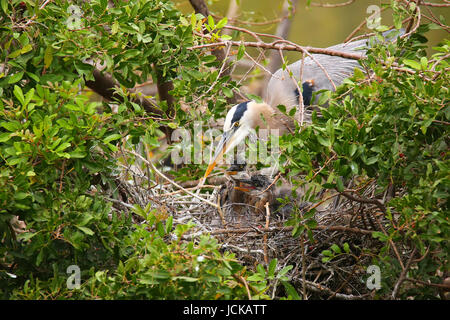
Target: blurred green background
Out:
[312,26]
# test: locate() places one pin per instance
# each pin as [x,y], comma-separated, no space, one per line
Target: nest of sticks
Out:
[253,226]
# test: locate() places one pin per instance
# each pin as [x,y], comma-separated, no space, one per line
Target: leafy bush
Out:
[58,154]
[392,128]
[59,151]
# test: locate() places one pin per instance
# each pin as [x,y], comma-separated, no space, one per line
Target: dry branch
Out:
[278,46]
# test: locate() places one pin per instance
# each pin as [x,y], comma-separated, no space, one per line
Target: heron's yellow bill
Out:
[210,168]
[226,143]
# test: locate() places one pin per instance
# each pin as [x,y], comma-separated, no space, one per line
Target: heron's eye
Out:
[236,124]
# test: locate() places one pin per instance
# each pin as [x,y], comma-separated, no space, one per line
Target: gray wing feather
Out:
[281,88]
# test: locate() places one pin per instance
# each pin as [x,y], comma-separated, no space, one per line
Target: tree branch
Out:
[105,85]
[279,46]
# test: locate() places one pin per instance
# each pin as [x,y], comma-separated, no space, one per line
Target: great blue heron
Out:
[282,89]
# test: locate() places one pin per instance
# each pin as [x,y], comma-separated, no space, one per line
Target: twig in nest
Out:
[190,189]
[273,182]
[322,289]
[266,259]
[224,223]
[289,228]
[170,181]
[365,200]
[246,287]
[302,246]
[392,244]
[430,284]
[403,275]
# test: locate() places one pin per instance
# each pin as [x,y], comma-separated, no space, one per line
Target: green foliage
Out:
[55,147]
[335,251]
[393,129]
[153,263]
[58,152]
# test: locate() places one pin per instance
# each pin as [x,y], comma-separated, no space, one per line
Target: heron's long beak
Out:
[226,143]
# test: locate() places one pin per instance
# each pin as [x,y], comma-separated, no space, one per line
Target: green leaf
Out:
[380,235]
[254,97]
[169,224]
[5,136]
[62,147]
[272,267]
[33,76]
[39,257]
[15,54]
[352,150]
[354,167]
[26,48]
[16,77]
[160,228]
[285,270]
[424,63]
[4,4]
[339,185]
[26,236]
[77,154]
[336,248]
[324,141]
[112,137]
[12,126]
[241,52]
[19,94]
[324,97]
[227,92]
[160,274]
[131,53]
[346,247]
[359,74]
[255,277]
[211,22]
[371,160]
[48,56]
[86,230]
[222,23]
[187,279]
[209,58]
[28,96]
[413,64]
[290,290]
[21,195]
[282,108]
[425,125]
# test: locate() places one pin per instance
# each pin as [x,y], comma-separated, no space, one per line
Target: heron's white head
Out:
[239,123]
